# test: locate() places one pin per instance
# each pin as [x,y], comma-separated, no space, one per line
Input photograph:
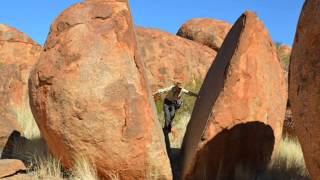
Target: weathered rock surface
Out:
[18,54]
[237,120]
[209,32]
[170,58]
[89,94]
[10,167]
[304,85]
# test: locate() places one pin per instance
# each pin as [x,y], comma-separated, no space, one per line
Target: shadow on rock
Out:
[248,146]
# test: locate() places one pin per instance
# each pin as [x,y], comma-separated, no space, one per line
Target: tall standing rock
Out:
[304,85]
[89,95]
[18,54]
[209,32]
[168,57]
[237,120]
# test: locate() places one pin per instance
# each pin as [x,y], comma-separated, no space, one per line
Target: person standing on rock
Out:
[172,102]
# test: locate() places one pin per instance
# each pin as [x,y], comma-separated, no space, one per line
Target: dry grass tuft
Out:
[46,168]
[113,176]
[83,169]
[287,164]
[289,161]
[290,156]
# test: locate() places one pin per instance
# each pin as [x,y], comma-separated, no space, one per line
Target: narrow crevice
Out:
[102,17]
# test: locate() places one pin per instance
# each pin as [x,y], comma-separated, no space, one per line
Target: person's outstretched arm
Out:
[190,93]
[162,91]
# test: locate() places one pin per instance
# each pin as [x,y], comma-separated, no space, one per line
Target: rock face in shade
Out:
[9,127]
[237,120]
[170,58]
[10,167]
[89,95]
[304,84]
[209,32]
[18,54]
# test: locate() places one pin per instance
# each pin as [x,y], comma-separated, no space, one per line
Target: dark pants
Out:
[169,109]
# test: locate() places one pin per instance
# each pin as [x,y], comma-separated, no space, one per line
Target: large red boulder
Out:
[237,120]
[304,85]
[170,58]
[209,32]
[18,54]
[89,94]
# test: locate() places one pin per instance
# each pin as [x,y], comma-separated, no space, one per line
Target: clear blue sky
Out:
[34,17]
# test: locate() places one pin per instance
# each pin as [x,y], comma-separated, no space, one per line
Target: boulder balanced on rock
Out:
[237,120]
[18,54]
[90,98]
[209,32]
[304,85]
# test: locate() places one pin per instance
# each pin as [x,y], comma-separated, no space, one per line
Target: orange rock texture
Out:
[170,58]
[89,94]
[18,54]
[237,120]
[206,31]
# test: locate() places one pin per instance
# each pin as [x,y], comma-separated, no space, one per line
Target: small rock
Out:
[10,167]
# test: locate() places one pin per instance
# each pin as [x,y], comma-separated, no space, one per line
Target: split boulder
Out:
[237,120]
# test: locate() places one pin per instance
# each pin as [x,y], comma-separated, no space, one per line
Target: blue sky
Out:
[34,17]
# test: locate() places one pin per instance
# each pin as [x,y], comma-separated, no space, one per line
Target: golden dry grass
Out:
[46,168]
[288,164]
[83,169]
[289,161]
